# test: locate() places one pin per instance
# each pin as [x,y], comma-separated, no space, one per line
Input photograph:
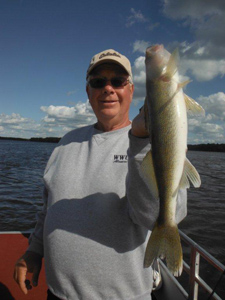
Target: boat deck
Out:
[13,246]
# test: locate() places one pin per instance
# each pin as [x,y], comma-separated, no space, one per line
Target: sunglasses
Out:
[100,82]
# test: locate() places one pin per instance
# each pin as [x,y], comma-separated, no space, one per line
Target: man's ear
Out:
[132,91]
[87,89]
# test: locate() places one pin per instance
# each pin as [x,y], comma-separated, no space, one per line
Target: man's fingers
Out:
[138,125]
[30,262]
[35,276]
[28,285]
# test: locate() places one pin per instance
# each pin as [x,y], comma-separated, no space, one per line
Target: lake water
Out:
[22,165]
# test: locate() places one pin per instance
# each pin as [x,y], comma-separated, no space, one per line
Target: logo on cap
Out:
[108,54]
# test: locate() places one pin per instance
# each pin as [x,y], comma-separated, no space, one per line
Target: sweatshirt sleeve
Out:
[143,207]
[36,239]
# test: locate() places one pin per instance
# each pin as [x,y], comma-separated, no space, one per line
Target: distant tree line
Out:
[34,139]
[199,147]
[46,140]
[207,147]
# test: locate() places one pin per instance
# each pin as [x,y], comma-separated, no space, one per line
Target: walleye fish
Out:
[166,167]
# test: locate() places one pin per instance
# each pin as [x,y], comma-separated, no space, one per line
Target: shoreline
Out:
[33,139]
[197,147]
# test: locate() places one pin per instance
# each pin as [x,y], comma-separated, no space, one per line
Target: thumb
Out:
[35,276]
[20,273]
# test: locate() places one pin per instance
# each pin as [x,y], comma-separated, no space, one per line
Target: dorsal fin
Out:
[171,67]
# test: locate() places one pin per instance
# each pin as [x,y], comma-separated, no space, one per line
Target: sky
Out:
[46,47]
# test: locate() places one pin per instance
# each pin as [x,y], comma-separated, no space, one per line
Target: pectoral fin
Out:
[147,169]
[193,108]
[190,174]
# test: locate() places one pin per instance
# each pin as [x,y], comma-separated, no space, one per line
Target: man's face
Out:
[110,104]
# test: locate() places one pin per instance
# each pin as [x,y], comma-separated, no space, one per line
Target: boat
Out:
[13,245]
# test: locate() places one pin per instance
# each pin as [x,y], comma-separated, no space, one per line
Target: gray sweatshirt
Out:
[96,217]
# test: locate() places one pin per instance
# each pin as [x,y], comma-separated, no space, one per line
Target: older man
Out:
[97,210]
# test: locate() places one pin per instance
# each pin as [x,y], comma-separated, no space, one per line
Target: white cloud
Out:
[70,93]
[61,119]
[138,17]
[195,9]
[59,111]
[214,105]
[135,17]
[206,19]
[203,69]
[195,60]
[57,121]
[204,57]
[152,26]
[12,119]
[211,128]
[140,46]
[139,77]
[17,126]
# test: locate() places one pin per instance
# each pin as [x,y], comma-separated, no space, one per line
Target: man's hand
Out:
[30,262]
[138,127]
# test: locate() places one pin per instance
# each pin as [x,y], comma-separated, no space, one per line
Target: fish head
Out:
[156,61]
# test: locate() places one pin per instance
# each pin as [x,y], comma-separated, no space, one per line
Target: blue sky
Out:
[46,46]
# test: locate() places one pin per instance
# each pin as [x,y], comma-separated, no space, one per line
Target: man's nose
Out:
[108,88]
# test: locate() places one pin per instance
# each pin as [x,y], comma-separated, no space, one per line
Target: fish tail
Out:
[165,243]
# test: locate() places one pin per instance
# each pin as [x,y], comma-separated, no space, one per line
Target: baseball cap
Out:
[112,56]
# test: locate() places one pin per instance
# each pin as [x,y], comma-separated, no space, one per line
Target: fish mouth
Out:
[156,48]
[152,50]
[156,60]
